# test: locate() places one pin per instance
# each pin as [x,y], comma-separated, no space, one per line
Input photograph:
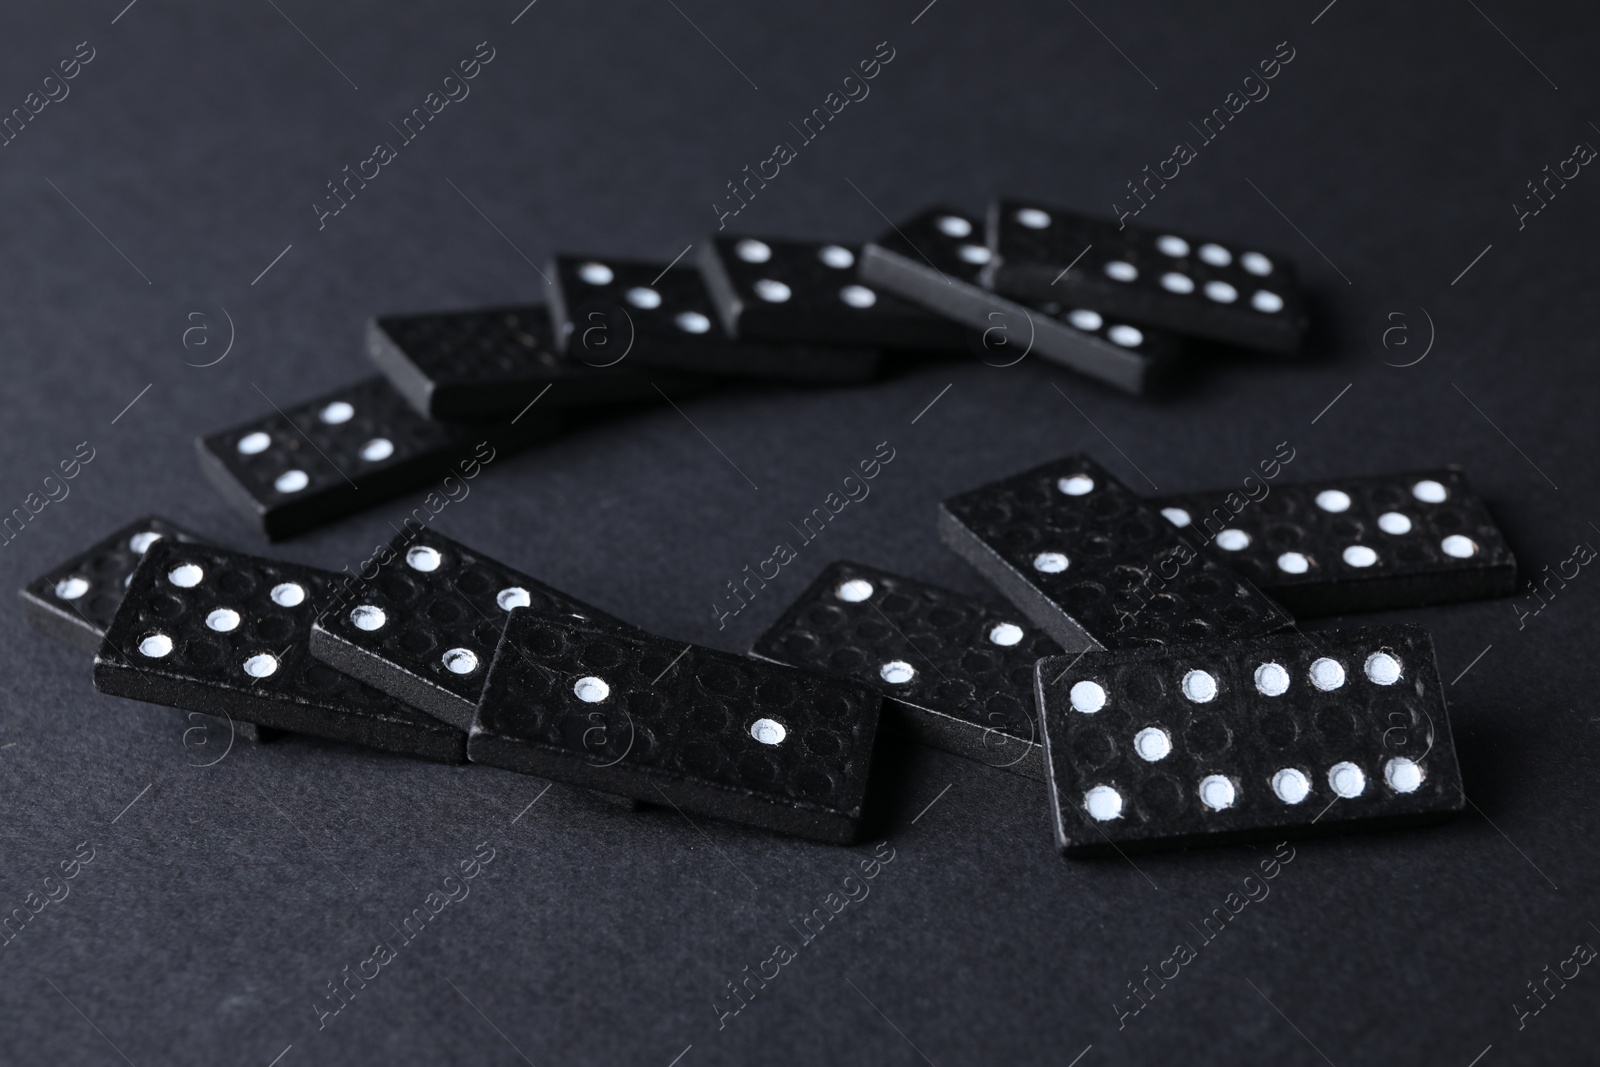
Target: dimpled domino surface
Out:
[1410,569]
[312,469]
[1030,264]
[677,724]
[1124,582]
[104,569]
[969,694]
[205,669]
[1247,737]
[428,613]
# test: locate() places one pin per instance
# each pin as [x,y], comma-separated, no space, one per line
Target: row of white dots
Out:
[1216,290]
[1091,321]
[1291,785]
[1169,245]
[1271,679]
[753,251]
[776,292]
[644,297]
[257,665]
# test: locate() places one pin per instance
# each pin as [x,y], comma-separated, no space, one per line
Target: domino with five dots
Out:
[306,465]
[771,289]
[1095,566]
[936,259]
[424,627]
[1186,284]
[958,673]
[1245,740]
[489,365]
[1366,543]
[706,732]
[663,317]
[208,629]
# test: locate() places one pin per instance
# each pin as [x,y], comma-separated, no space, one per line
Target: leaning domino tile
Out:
[773,289]
[1095,566]
[1365,543]
[423,628]
[1259,738]
[308,464]
[936,259]
[957,672]
[662,316]
[704,731]
[488,365]
[1173,281]
[208,629]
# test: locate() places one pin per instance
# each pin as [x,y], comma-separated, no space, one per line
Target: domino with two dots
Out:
[321,460]
[957,672]
[663,317]
[937,258]
[706,732]
[1183,283]
[212,630]
[1255,739]
[1367,543]
[1095,566]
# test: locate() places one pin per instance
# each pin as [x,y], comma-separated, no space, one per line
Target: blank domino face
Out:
[958,673]
[75,600]
[1095,566]
[1356,544]
[207,629]
[1183,283]
[779,290]
[425,627]
[489,365]
[937,259]
[305,465]
[712,733]
[658,316]
[1243,740]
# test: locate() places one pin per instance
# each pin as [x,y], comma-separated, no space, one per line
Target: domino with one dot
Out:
[1366,543]
[1245,740]
[707,732]
[1186,284]
[321,460]
[937,258]
[208,629]
[424,627]
[489,365]
[958,672]
[1095,566]
[616,310]
[770,289]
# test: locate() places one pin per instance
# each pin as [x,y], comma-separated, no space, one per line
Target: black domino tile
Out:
[662,316]
[1168,279]
[1138,761]
[1095,566]
[1365,543]
[957,672]
[310,463]
[706,732]
[208,629]
[424,626]
[774,289]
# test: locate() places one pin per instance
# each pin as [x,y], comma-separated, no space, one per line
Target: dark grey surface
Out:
[217,906]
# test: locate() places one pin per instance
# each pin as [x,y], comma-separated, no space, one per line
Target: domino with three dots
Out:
[1095,566]
[958,673]
[1367,543]
[424,627]
[1244,740]
[663,317]
[771,289]
[704,731]
[321,460]
[488,365]
[212,630]
[936,259]
[1186,284]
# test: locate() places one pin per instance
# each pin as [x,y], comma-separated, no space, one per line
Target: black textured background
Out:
[219,904]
